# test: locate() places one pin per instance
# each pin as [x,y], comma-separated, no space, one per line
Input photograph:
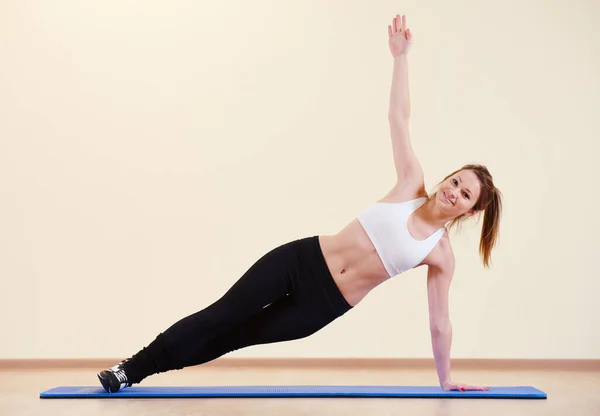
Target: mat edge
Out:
[59,392]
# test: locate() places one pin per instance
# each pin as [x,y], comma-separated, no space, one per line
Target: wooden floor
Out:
[569,392]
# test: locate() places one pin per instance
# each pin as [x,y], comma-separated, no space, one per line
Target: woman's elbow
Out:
[440,326]
[398,116]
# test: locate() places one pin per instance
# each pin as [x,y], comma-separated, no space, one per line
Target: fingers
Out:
[479,388]
[399,26]
[466,387]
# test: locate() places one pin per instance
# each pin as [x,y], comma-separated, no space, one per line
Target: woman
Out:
[300,287]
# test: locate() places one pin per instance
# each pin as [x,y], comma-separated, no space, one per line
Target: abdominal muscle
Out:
[353,262]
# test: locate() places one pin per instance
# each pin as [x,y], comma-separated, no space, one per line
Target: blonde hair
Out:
[490,202]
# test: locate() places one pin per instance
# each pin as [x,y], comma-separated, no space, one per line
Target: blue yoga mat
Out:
[74,392]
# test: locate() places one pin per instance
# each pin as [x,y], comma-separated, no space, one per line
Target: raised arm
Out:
[408,169]
[439,278]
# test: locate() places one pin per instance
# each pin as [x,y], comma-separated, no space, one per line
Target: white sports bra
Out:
[386,226]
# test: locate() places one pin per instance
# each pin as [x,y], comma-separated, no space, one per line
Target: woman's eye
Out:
[454,181]
[466,195]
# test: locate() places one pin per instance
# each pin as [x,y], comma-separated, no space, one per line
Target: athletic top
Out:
[386,225]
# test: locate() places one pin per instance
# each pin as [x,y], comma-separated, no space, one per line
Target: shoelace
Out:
[121,376]
[119,372]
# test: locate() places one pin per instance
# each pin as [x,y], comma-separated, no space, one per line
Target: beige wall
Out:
[150,152]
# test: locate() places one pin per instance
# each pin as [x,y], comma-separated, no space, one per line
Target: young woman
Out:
[300,287]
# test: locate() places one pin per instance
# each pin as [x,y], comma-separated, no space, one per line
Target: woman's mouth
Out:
[446,198]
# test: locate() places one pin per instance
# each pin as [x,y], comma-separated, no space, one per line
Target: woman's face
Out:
[459,193]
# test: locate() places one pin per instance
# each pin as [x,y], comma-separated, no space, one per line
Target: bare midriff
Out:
[353,262]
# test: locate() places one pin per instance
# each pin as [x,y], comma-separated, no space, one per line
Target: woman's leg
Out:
[314,302]
[264,282]
[290,318]
[287,294]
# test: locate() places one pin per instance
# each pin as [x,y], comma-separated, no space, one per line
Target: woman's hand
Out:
[462,387]
[400,37]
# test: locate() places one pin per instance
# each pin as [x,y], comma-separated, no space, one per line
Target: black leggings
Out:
[287,294]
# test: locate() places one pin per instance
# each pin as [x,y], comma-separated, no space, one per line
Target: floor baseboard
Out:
[341,363]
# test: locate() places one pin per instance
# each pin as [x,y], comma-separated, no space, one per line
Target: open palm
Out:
[463,387]
[400,37]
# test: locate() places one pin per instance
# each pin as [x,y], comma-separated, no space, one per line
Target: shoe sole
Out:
[105,383]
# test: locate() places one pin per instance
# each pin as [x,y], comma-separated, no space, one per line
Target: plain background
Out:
[151,152]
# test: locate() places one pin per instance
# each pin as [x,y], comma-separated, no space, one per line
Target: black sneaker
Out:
[114,379]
